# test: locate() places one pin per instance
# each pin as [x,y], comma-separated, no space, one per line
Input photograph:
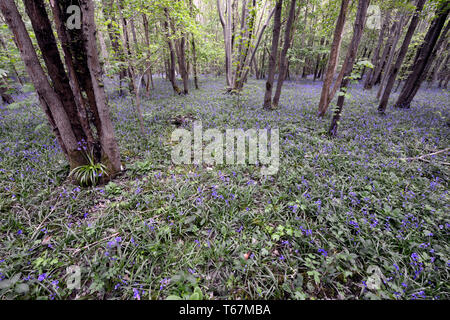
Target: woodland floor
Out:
[336,210]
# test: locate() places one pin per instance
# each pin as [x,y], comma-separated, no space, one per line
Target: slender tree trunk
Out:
[113,33]
[438,68]
[401,56]
[332,61]
[376,54]
[147,43]
[382,64]
[353,50]
[227,34]
[273,54]
[103,48]
[304,33]
[181,54]
[283,60]
[399,26]
[194,57]
[252,53]
[263,63]
[241,41]
[245,43]
[307,70]
[318,60]
[425,56]
[171,74]
[126,46]
[256,69]
[110,149]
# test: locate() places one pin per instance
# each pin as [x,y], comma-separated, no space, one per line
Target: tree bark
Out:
[227,35]
[332,61]
[65,114]
[194,48]
[171,63]
[368,84]
[353,50]
[147,43]
[35,9]
[399,26]
[438,67]
[425,56]
[273,54]
[283,60]
[239,85]
[126,47]
[181,54]
[382,63]
[113,33]
[49,100]
[401,56]
[110,148]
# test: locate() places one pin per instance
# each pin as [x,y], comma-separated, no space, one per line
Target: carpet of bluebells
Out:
[345,218]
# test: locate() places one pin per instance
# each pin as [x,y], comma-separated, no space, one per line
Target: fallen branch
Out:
[426,155]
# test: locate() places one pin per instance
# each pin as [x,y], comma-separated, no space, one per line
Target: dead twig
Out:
[422,158]
[75,251]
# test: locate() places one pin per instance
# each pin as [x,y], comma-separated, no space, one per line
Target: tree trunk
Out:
[376,54]
[353,50]
[425,56]
[65,116]
[273,54]
[103,48]
[171,63]
[35,9]
[227,34]
[318,60]
[439,67]
[243,79]
[401,56]
[50,102]
[110,149]
[382,63]
[263,63]
[304,33]
[283,61]
[244,49]
[439,63]
[181,54]
[332,61]
[113,33]
[399,27]
[126,47]
[194,57]
[147,43]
